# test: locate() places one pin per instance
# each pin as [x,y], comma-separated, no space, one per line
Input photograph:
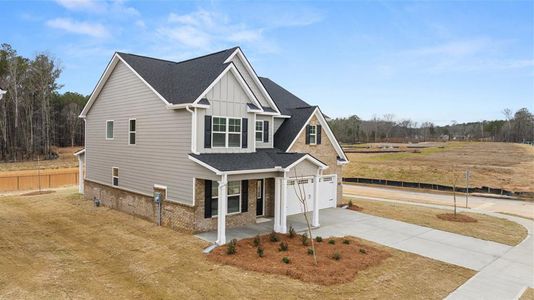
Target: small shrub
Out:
[231,248]
[260,251]
[332,241]
[283,246]
[350,203]
[346,242]
[257,240]
[273,237]
[285,260]
[336,256]
[363,251]
[310,251]
[304,239]
[318,239]
[292,232]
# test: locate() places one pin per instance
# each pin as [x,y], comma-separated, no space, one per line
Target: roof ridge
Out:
[182,61]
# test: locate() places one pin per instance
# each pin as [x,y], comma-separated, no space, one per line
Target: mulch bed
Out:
[457,218]
[328,270]
[36,193]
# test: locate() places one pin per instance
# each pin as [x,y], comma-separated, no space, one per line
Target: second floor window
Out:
[259,131]
[109,130]
[226,132]
[132,131]
[313,135]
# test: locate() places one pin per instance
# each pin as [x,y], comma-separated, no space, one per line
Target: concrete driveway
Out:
[504,271]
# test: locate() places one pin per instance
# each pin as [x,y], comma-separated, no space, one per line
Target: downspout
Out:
[193,128]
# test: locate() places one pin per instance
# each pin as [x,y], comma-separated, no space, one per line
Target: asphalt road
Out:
[516,207]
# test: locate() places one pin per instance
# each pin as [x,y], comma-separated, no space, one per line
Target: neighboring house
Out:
[223,145]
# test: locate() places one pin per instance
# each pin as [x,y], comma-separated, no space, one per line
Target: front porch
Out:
[328,217]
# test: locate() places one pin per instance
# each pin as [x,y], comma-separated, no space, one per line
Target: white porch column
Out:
[81,159]
[283,206]
[277,192]
[222,205]
[315,214]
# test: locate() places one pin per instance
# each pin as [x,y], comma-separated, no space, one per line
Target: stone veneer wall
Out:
[174,215]
[234,220]
[325,152]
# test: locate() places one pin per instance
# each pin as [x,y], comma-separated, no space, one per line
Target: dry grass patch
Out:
[457,218]
[336,263]
[65,159]
[486,228]
[58,246]
[528,294]
[37,193]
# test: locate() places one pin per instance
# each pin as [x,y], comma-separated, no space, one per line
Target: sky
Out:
[430,61]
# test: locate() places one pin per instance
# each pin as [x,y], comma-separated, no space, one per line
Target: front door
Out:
[259,197]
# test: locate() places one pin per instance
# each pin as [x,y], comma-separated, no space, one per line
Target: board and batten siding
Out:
[227,99]
[163,140]
[251,83]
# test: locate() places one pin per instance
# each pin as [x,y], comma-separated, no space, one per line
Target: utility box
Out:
[160,194]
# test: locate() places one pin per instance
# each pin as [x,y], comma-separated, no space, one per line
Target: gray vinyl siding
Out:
[251,83]
[227,99]
[163,140]
[271,130]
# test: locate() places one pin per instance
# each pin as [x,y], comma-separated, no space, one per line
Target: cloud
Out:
[456,48]
[85,28]
[115,7]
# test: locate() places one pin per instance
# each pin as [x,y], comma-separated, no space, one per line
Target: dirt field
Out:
[498,165]
[59,246]
[66,159]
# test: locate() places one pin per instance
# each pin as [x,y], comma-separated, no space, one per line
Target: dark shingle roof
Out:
[283,99]
[261,159]
[179,82]
[289,130]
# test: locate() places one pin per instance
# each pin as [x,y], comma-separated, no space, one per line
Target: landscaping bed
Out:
[338,259]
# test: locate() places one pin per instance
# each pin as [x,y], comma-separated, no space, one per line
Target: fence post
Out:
[18,183]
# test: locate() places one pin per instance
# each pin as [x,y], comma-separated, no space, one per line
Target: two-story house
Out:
[222,145]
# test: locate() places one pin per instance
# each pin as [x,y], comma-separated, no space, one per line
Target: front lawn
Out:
[59,246]
[486,227]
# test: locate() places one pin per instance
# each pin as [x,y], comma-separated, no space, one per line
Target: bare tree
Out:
[301,196]
[388,124]
[508,115]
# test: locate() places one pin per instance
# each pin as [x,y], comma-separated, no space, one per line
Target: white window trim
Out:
[106,130]
[130,131]
[314,135]
[227,132]
[262,122]
[113,176]
[228,195]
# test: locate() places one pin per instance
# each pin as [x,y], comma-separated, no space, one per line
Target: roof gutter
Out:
[186,106]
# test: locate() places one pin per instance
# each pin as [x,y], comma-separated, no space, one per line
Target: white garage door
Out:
[327,194]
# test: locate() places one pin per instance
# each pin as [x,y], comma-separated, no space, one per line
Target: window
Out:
[109,130]
[219,132]
[313,135]
[234,197]
[226,132]
[115,176]
[259,131]
[132,132]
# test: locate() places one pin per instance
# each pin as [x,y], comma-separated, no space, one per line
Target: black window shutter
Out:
[207,131]
[207,198]
[265,131]
[308,134]
[244,133]
[244,196]
[318,134]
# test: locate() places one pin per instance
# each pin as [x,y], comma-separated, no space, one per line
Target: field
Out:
[498,165]
[59,246]
[65,159]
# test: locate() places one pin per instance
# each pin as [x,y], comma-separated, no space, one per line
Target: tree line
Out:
[515,127]
[34,116]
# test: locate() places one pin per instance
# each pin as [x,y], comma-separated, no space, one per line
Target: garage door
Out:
[304,187]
